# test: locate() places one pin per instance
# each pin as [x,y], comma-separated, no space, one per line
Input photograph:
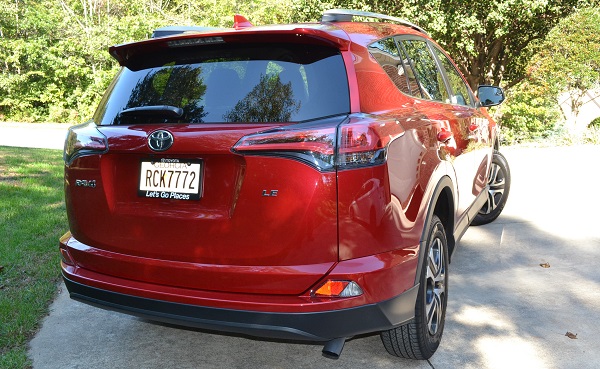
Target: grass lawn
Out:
[32,218]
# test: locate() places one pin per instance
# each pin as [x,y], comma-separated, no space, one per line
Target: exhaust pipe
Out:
[333,349]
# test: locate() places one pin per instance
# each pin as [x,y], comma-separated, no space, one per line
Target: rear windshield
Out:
[229,83]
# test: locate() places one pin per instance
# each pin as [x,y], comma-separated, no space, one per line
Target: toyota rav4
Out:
[302,181]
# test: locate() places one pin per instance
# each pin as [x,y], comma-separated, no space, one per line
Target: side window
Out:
[386,53]
[426,70]
[460,91]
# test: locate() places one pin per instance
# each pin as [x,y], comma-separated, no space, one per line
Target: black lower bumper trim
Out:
[312,326]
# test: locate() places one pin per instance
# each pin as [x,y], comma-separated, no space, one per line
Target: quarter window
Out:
[387,55]
[426,70]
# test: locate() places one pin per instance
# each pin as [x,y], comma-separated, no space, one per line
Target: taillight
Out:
[360,145]
[84,139]
[365,142]
[313,146]
[352,144]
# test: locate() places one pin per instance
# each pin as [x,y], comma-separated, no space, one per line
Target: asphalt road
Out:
[504,311]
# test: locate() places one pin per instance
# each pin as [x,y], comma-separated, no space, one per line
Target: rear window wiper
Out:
[163,110]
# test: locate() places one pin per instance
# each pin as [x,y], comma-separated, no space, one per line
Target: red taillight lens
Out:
[365,144]
[315,146]
[84,139]
[352,144]
[360,145]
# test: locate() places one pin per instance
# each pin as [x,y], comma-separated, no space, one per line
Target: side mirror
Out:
[490,95]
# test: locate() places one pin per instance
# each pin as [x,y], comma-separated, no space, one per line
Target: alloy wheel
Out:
[497,183]
[436,288]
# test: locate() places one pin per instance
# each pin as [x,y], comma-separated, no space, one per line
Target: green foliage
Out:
[568,61]
[491,41]
[569,58]
[32,217]
[54,64]
[526,115]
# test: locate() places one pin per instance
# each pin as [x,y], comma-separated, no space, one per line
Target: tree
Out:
[269,101]
[54,64]
[569,59]
[491,40]
[528,115]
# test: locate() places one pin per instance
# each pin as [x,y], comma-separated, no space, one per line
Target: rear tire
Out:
[498,189]
[420,338]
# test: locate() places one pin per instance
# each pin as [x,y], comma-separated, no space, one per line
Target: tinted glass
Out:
[387,55]
[460,91]
[426,70]
[230,83]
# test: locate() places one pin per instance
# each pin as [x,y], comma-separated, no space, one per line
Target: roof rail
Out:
[345,15]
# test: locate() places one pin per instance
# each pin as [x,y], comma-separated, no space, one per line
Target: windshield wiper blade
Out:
[164,110]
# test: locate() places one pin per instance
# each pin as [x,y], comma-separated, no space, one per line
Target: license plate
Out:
[173,179]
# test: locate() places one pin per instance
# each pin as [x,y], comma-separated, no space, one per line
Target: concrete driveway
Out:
[504,311]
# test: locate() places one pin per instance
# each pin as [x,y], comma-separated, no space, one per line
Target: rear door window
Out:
[460,91]
[230,83]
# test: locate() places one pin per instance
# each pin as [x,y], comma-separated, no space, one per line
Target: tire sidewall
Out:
[429,343]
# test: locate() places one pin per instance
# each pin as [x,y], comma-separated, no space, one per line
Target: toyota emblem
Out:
[160,140]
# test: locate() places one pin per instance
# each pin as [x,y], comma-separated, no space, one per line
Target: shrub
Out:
[527,116]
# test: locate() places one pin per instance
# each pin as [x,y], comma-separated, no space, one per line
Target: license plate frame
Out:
[171,179]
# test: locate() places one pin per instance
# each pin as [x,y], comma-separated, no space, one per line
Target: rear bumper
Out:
[311,326]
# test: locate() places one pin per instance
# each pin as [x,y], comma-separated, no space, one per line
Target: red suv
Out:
[302,181]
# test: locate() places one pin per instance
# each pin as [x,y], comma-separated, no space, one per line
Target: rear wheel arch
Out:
[444,209]
[442,205]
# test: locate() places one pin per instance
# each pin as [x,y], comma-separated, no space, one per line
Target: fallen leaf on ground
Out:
[545,265]
[1,268]
[571,335]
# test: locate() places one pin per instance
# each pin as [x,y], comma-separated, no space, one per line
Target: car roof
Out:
[337,28]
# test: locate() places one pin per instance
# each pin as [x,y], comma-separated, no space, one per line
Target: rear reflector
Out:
[338,289]
[65,257]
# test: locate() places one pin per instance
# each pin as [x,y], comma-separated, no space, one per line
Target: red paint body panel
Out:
[297,228]
[270,228]
[371,271]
